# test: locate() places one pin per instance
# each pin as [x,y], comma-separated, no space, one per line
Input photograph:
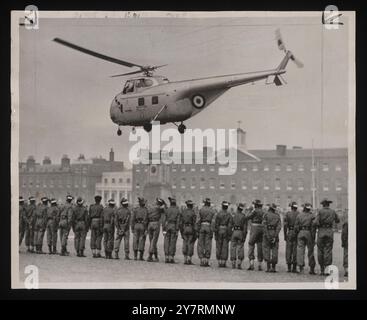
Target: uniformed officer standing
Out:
[139,225]
[290,237]
[170,227]
[22,219]
[66,214]
[272,226]
[154,226]
[325,235]
[256,234]
[40,224]
[122,223]
[53,214]
[305,229]
[205,231]
[222,233]
[79,223]
[238,237]
[344,238]
[30,220]
[96,226]
[188,232]
[108,220]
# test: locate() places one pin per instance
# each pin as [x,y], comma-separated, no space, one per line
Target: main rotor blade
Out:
[298,63]
[280,41]
[126,74]
[96,54]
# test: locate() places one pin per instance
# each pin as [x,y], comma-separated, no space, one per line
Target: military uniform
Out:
[205,231]
[53,214]
[290,236]
[139,224]
[344,238]
[325,235]
[122,223]
[238,237]
[170,226]
[40,225]
[222,231]
[272,225]
[30,220]
[80,227]
[188,232]
[66,214]
[305,229]
[154,226]
[96,226]
[256,236]
[22,220]
[108,220]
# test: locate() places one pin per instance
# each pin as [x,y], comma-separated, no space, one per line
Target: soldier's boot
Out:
[50,250]
[166,260]
[28,249]
[135,255]
[156,257]
[239,264]
[106,254]
[82,253]
[294,269]
[312,270]
[98,253]
[252,266]
[220,263]
[37,249]
[322,270]
[117,255]
[201,262]
[173,259]
[63,251]
[289,265]
[189,261]
[150,257]
[207,262]
[273,269]
[141,256]
[94,254]
[233,264]
[268,267]
[260,268]
[127,256]
[346,272]
[54,251]
[185,259]
[301,269]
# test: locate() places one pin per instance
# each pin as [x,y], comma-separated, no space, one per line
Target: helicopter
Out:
[148,97]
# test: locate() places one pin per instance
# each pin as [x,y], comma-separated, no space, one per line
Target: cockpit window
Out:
[129,87]
[143,83]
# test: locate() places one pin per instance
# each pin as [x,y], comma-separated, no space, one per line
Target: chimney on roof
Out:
[46,160]
[281,149]
[31,163]
[112,155]
[65,161]
[296,148]
[81,157]
[241,137]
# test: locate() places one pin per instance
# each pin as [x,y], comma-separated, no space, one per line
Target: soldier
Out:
[256,234]
[305,230]
[66,214]
[108,221]
[154,226]
[170,227]
[290,237]
[139,225]
[238,237]
[122,223]
[205,231]
[22,220]
[222,233]
[188,232]
[325,235]
[79,223]
[344,238]
[95,222]
[272,225]
[40,224]
[30,219]
[53,214]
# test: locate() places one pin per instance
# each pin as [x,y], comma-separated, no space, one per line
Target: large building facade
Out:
[75,177]
[281,175]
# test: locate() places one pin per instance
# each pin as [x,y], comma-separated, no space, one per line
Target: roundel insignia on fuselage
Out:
[198,101]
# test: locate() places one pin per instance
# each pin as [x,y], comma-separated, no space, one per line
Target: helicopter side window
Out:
[155,100]
[141,101]
[129,87]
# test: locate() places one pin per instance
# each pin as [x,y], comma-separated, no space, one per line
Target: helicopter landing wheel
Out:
[181,128]
[148,127]
[119,132]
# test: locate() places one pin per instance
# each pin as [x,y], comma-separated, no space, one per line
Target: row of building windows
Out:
[113,180]
[255,167]
[51,183]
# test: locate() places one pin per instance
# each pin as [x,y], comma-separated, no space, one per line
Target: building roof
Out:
[301,153]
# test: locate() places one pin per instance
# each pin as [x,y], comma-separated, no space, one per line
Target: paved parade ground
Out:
[71,269]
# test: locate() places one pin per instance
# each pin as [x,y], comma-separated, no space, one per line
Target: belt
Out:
[206,223]
[305,228]
[139,220]
[270,227]
[237,228]
[256,224]
[326,226]
[223,225]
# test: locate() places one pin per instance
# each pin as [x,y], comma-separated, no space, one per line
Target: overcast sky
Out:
[65,95]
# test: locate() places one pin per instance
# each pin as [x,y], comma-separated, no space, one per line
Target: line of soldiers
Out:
[112,224]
